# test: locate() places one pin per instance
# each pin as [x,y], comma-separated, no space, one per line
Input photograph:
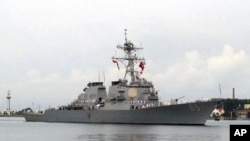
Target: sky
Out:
[51,49]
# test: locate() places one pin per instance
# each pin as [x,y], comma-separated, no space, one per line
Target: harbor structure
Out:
[8,97]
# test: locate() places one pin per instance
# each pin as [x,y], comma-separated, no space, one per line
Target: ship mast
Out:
[130,56]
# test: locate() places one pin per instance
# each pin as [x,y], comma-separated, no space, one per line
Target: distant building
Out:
[245,113]
[247,106]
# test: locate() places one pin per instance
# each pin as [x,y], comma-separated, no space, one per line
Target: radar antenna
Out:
[125,35]
[131,58]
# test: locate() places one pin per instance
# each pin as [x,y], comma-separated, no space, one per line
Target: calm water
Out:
[16,129]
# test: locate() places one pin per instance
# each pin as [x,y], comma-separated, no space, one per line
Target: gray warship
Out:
[133,101]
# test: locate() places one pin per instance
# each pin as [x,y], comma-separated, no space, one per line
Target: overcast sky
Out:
[50,49]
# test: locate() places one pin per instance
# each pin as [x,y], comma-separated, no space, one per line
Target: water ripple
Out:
[146,137]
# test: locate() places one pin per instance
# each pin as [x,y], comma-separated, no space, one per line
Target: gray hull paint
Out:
[182,114]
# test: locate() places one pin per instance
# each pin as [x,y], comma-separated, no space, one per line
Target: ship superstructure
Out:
[128,94]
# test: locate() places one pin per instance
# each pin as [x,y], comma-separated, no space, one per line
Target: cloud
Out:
[196,76]
[229,60]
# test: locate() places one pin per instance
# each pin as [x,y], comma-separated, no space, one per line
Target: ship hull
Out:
[181,114]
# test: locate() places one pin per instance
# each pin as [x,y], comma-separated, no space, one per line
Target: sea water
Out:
[17,129]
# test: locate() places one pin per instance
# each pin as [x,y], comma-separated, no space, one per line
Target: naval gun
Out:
[177,99]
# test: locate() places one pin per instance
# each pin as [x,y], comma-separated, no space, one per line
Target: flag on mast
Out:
[141,65]
[115,61]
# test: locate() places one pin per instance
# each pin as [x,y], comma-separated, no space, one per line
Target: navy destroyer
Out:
[127,101]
